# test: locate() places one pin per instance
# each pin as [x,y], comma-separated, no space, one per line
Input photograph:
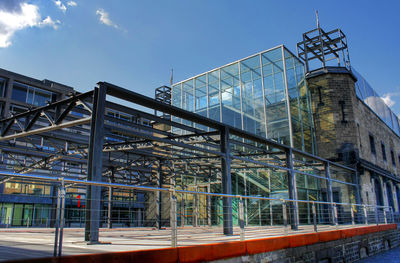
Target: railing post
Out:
[293,206]
[376,215]
[109,208]
[335,211]
[285,218]
[209,205]
[365,214]
[241,219]
[384,215]
[196,209]
[173,221]
[352,214]
[314,212]
[57,222]
[331,210]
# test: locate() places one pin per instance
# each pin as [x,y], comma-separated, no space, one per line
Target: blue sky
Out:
[136,43]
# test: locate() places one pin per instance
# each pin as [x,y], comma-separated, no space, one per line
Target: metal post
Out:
[352,214]
[57,223]
[271,215]
[241,219]
[376,215]
[259,210]
[330,194]
[284,216]
[95,165]
[209,205]
[246,214]
[226,181]
[384,215]
[110,194]
[173,221]
[196,209]
[335,209]
[314,212]
[365,214]
[62,208]
[159,196]
[293,206]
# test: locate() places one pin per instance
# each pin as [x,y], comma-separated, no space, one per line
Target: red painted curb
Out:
[256,246]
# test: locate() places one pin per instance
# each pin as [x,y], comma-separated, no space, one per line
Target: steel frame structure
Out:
[77,138]
[324,46]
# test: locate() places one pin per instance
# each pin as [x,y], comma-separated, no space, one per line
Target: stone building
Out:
[353,125]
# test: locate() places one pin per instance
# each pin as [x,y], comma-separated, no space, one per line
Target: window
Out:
[372,144]
[383,151]
[2,86]
[30,95]
[392,155]
[19,93]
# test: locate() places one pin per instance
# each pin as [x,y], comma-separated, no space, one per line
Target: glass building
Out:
[265,94]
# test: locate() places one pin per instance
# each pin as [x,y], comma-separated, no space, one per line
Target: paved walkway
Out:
[21,243]
[390,256]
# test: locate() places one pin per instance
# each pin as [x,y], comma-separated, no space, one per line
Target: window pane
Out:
[19,93]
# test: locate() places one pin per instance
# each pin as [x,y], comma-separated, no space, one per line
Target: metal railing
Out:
[142,207]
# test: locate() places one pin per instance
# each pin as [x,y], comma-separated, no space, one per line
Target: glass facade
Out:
[370,97]
[265,94]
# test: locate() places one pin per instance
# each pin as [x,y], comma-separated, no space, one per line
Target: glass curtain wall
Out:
[371,98]
[264,94]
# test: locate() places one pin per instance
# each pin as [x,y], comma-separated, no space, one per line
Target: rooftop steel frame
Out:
[324,46]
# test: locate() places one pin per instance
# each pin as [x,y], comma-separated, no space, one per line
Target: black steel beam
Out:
[226,182]
[145,101]
[95,166]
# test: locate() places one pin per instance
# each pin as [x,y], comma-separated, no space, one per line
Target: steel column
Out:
[95,165]
[226,181]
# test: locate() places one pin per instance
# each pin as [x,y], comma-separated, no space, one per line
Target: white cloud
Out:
[388,98]
[72,3]
[15,19]
[105,19]
[48,21]
[60,5]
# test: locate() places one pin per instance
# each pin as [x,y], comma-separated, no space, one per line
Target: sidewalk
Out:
[390,256]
